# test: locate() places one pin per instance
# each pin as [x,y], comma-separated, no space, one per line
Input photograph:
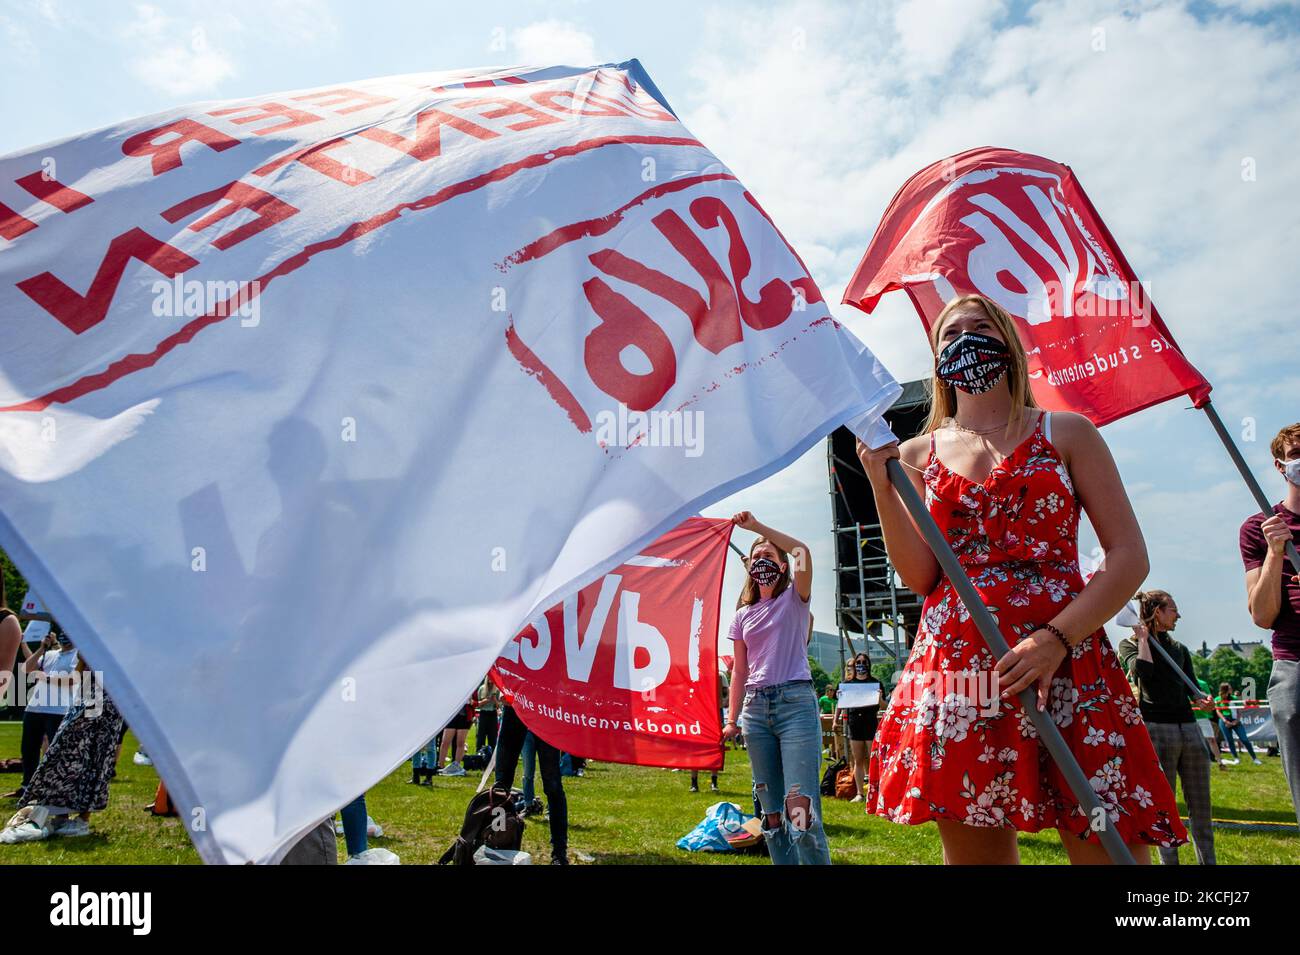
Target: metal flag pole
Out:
[1247,475]
[1177,669]
[1197,692]
[1047,730]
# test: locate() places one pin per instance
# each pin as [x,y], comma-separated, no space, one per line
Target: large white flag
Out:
[310,401]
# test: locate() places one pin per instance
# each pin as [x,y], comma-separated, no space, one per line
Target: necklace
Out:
[961,427]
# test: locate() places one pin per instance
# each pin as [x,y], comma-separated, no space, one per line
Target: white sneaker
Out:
[374,856]
[141,759]
[1231,762]
[25,832]
[338,827]
[76,826]
[453,769]
[373,829]
[1258,763]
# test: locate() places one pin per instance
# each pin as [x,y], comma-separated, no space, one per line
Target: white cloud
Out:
[149,24]
[931,31]
[191,48]
[49,11]
[18,42]
[553,42]
[174,57]
[181,72]
[302,23]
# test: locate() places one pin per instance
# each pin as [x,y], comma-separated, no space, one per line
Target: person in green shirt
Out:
[1207,720]
[827,701]
[1231,725]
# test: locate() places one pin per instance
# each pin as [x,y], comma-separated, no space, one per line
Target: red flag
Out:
[627,669]
[1020,230]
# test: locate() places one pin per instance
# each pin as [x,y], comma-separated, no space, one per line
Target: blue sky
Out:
[823,109]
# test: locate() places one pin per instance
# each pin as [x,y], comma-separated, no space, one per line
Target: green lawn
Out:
[619,814]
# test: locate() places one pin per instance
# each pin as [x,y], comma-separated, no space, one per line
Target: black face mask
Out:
[973,363]
[765,571]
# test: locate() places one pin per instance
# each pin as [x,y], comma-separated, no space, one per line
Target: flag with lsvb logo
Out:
[626,668]
[1019,229]
[310,401]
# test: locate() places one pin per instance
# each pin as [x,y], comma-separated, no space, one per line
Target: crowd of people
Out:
[1007,483]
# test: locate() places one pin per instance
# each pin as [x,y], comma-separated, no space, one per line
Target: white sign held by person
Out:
[309,401]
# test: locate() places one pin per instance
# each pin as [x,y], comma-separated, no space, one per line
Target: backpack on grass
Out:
[494,819]
[831,776]
[477,761]
[846,787]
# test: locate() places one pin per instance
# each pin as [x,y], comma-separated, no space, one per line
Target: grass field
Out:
[618,814]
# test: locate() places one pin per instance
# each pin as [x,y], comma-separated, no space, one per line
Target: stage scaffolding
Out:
[873,611]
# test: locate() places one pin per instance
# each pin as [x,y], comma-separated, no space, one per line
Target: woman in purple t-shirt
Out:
[772,681]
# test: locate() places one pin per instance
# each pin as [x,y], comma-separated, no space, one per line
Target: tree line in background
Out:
[15,583]
[1248,676]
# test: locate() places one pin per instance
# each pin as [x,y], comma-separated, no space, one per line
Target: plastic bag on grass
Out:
[725,828]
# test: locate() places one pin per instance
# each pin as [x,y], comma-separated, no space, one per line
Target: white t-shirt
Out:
[43,698]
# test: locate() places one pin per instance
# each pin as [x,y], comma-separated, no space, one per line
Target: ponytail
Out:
[1150,601]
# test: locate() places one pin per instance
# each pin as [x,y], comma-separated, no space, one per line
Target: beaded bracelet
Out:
[1059,636]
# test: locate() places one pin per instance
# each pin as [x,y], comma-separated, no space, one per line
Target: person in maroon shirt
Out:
[1273,594]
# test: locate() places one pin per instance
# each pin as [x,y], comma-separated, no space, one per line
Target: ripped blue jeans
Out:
[784,737]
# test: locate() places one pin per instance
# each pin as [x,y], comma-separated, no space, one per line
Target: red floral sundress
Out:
[948,747]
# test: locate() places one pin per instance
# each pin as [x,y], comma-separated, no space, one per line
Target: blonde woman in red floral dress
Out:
[1006,483]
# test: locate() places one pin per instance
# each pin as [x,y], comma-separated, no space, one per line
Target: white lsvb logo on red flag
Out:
[626,669]
[1019,229]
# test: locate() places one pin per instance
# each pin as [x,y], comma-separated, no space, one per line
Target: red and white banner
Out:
[1020,230]
[309,401]
[626,669]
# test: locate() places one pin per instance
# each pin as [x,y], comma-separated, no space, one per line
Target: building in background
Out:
[1242,648]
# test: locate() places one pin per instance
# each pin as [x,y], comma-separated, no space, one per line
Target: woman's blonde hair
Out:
[943,400]
[750,594]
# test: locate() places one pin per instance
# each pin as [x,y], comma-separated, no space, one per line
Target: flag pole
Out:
[1177,669]
[1047,730]
[1247,475]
